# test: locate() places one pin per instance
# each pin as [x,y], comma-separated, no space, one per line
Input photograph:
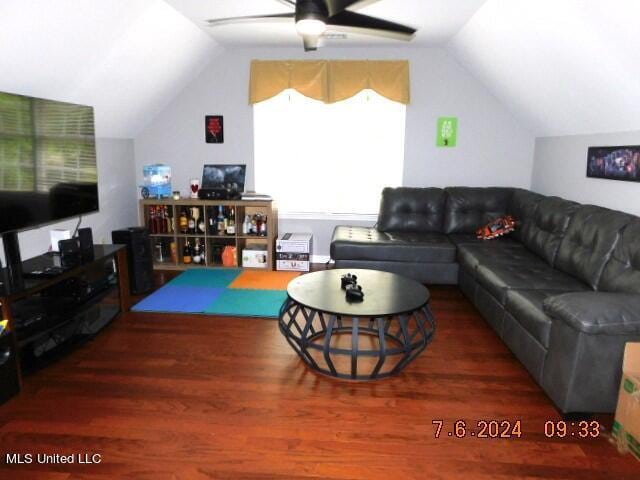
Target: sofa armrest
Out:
[597,312]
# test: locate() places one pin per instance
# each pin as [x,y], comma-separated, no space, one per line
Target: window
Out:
[314,157]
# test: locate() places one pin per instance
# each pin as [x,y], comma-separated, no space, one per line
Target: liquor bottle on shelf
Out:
[186,253]
[212,222]
[231,224]
[162,219]
[221,221]
[174,252]
[152,218]
[203,254]
[191,228]
[197,252]
[168,220]
[259,222]
[253,230]
[184,222]
[263,227]
[201,226]
[246,225]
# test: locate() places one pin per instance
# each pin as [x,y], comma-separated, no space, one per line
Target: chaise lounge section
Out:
[562,291]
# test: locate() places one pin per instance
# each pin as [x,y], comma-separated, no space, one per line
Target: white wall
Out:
[117,196]
[560,169]
[493,148]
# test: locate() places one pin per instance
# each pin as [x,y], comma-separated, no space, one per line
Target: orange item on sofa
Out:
[230,256]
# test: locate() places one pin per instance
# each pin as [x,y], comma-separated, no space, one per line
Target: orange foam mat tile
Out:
[258,280]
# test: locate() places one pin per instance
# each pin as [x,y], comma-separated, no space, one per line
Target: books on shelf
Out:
[256,197]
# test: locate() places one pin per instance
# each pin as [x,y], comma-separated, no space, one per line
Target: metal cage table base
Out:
[356,348]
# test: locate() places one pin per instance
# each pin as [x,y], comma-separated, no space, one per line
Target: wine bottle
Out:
[184,222]
[186,253]
[213,224]
[168,220]
[196,252]
[221,221]
[191,226]
[162,219]
[231,225]
[152,217]
[263,227]
[246,225]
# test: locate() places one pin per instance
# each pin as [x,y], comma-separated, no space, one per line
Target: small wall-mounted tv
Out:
[48,168]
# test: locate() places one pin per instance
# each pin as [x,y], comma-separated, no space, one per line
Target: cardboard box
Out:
[292,265]
[254,258]
[293,252]
[626,427]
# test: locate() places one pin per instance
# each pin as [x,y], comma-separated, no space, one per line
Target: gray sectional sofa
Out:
[562,291]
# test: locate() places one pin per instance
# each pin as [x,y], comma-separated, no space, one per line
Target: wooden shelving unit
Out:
[213,243]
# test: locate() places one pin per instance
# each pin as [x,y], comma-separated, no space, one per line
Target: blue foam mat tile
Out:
[179,299]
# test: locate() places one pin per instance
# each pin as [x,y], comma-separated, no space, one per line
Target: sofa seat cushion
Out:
[498,278]
[472,255]
[362,243]
[526,306]
[472,239]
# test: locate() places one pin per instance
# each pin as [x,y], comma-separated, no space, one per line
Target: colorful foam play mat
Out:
[216,291]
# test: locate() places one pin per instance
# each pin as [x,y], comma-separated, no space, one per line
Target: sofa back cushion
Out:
[407,209]
[469,208]
[523,207]
[543,234]
[589,242]
[622,271]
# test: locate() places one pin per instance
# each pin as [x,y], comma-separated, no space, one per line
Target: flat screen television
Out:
[48,169]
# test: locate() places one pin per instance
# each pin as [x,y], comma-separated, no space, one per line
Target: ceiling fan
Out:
[313,17]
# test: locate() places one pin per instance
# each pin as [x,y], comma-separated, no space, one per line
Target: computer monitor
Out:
[229,177]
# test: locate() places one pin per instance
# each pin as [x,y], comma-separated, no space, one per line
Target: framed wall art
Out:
[447,134]
[614,163]
[214,129]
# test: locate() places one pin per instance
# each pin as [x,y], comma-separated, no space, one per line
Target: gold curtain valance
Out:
[329,81]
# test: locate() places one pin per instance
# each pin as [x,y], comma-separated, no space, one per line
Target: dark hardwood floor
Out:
[197,397]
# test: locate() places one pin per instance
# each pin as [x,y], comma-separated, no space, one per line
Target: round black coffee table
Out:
[366,340]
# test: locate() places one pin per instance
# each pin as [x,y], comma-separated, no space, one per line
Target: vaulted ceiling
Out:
[561,66]
[436,20]
[127,58]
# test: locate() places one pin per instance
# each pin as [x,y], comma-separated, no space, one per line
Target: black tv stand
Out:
[48,314]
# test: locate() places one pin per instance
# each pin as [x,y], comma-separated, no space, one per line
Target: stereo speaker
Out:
[69,252]
[139,257]
[85,235]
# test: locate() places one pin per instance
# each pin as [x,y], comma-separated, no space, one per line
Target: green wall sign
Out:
[447,132]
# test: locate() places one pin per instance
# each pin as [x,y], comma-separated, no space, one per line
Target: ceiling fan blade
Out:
[310,43]
[358,23]
[214,22]
[337,6]
[288,3]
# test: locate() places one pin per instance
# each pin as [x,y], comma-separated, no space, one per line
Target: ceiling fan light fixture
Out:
[311,27]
